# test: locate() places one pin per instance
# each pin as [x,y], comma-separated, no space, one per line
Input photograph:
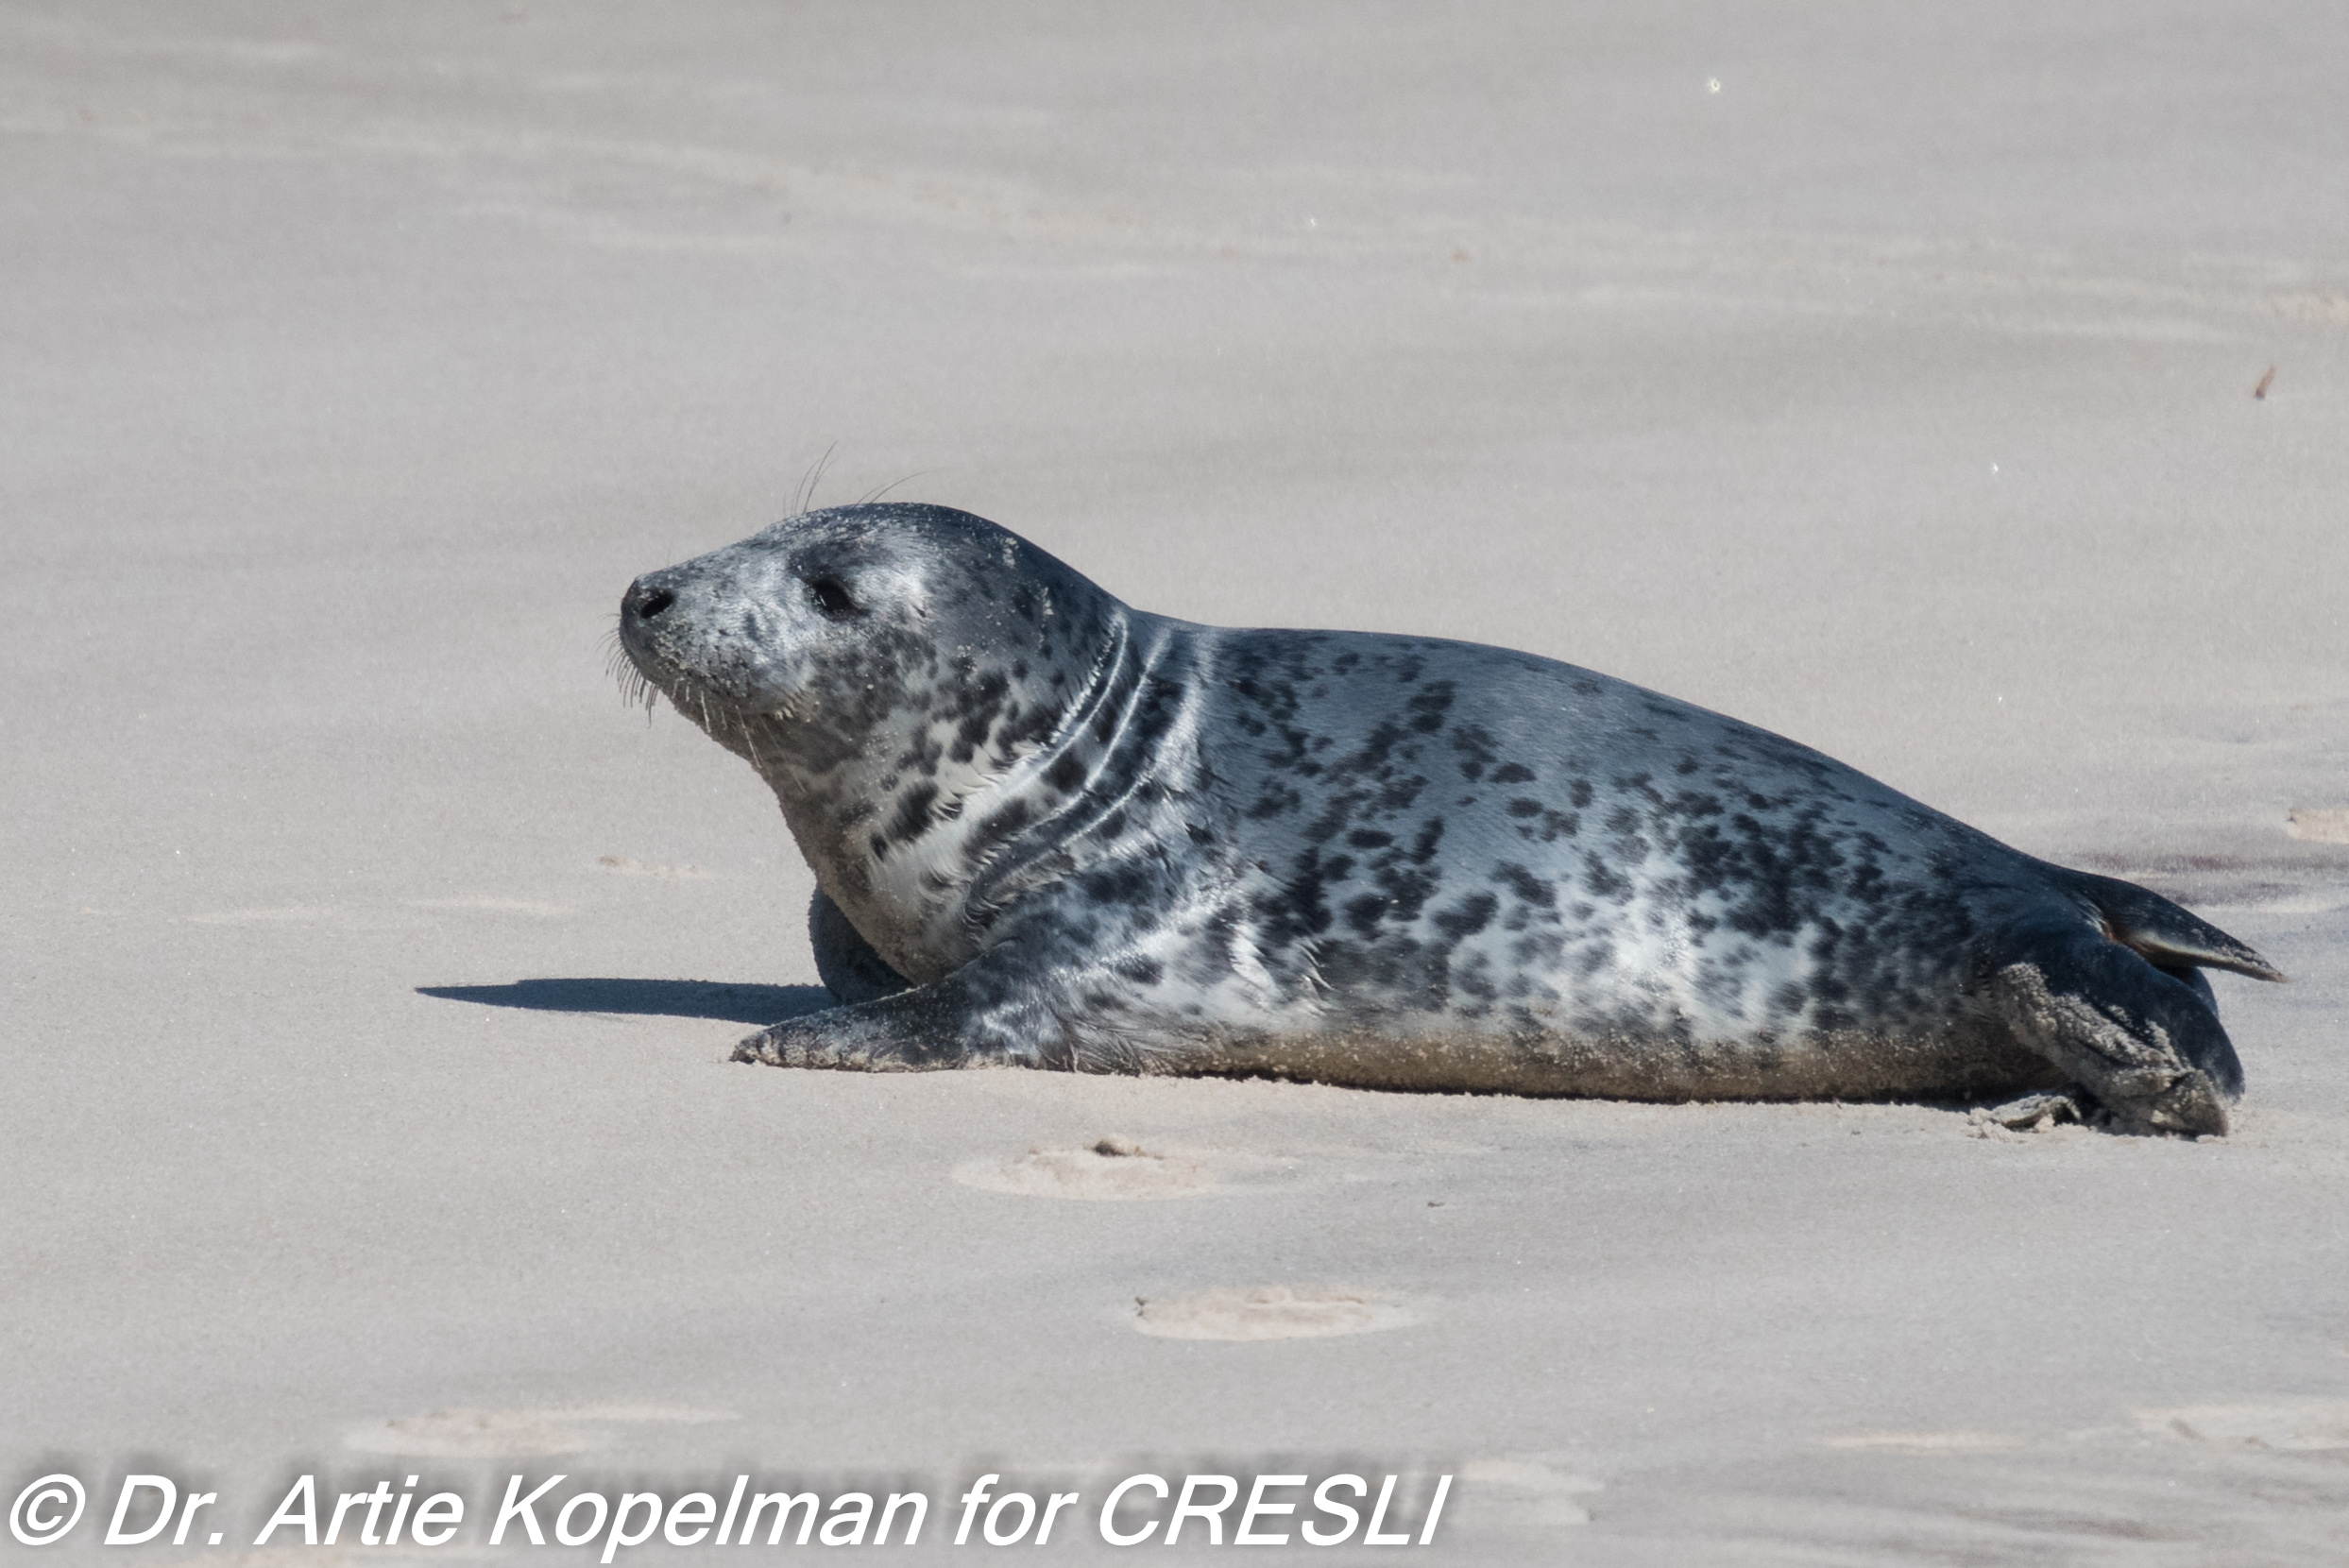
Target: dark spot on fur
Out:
[1524,883]
[912,819]
[1470,915]
[1066,773]
[1428,707]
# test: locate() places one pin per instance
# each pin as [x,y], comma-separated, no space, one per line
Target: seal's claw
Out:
[2190,1107]
[766,1046]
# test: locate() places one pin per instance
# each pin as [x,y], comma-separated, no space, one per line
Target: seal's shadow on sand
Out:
[739,1004]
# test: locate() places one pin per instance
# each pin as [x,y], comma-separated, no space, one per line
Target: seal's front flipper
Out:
[845,962]
[921,1030]
[2141,1042]
[992,1012]
[873,1036]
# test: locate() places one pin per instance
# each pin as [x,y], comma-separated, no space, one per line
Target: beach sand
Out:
[1883,378]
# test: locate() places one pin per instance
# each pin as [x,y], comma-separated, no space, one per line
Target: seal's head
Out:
[878,665]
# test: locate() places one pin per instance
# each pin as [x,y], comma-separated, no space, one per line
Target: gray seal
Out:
[1052,830]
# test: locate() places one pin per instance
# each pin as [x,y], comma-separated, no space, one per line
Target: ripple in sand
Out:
[2284,1425]
[1540,1492]
[285,914]
[620,865]
[1271,1312]
[517,1434]
[1955,1442]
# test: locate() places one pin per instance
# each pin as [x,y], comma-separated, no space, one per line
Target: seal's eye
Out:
[831,597]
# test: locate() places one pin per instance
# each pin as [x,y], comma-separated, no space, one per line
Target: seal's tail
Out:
[2168,936]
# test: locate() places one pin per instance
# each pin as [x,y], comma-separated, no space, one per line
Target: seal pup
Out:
[1053,830]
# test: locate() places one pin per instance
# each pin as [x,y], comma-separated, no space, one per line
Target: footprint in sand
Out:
[1271,1312]
[519,1433]
[2283,1426]
[1120,1168]
[1108,1169]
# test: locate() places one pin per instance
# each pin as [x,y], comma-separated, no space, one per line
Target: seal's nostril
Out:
[653,603]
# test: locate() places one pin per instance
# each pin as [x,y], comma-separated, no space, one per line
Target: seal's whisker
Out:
[804,497]
[636,686]
[871,496]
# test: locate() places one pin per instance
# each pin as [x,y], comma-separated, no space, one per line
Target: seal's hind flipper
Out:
[2143,1043]
[2033,1112]
[2169,936]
